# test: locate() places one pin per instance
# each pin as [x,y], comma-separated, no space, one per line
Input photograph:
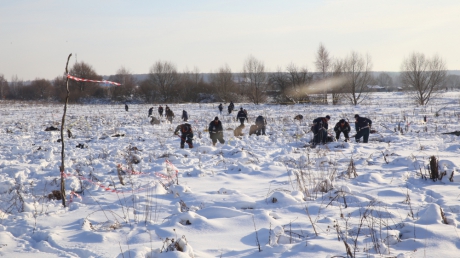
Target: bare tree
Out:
[422,76]
[224,84]
[299,79]
[38,89]
[191,85]
[79,89]
[323,65]
[384,79]
[255,80]
[357,74]
[4,88]
[280,82]
[15,85]
[127,89]
[163,76]
[337,71]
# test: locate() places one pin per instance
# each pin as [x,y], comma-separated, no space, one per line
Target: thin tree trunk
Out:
[62,135]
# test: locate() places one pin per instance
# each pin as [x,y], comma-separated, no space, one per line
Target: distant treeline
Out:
[164,84]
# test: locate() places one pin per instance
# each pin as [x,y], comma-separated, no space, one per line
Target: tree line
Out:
[334,80]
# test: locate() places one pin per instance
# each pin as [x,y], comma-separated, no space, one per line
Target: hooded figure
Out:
[160,110]
[216,131]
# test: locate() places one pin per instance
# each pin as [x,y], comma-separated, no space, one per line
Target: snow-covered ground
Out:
[258,196]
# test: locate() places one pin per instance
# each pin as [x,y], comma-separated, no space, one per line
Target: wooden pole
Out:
[62,167]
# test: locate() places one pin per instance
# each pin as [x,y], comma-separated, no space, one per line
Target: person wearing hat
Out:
[363,128]
[242,116]
[216,131]
[319,129]
[342,127]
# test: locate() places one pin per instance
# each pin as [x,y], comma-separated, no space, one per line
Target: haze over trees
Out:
[336,80]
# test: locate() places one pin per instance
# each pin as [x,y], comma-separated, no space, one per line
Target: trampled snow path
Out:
[231,195]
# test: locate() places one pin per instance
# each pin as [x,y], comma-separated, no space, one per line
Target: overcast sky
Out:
[37,36]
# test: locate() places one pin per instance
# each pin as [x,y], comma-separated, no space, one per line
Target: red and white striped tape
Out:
[88,80]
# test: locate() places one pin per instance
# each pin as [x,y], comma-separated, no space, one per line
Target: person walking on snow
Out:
[363,127]
[342,127]
[160,111]
[230,107]
[216,131]
[221,107]
[241,116]
[126,107]
[184,116]
[186,134]
[150,111]
[319,129]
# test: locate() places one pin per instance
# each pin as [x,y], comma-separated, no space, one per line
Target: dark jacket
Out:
[185,129]
[160,110]
[342,128]
[221,107]
[261,121]
[241,114]
[362,122]
[320,122]
[215,127]
[184,115]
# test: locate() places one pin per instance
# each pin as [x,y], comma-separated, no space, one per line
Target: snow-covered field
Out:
[266,196]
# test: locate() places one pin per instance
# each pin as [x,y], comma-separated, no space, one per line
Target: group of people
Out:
[216,132]
[320,127]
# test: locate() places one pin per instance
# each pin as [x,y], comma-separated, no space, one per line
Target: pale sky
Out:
[37,36]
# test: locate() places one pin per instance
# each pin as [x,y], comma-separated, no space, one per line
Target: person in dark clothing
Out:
[342,127]
[319,129]
[221,107]
[126,107]
[231,107]
[169,114]
[186,134]
[241,116]
[261,124]
[363,127]
[184,116]
[160,110]
[216,131]
[150,111]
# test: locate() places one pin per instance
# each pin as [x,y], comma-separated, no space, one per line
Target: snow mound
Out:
[430,215]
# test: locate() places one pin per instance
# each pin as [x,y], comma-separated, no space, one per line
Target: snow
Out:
[225,200]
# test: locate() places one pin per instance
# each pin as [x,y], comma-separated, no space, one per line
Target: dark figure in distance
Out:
[221,107]
[186,134]
[160,110]
[261,125]
[150,111]
[241,116]
[184,116]
[216,131]
[363,128]
[342,127]
[126,107]
[319,129]
[231,107]
[169,114]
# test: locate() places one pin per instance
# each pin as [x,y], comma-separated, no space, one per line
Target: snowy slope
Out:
[273,191]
